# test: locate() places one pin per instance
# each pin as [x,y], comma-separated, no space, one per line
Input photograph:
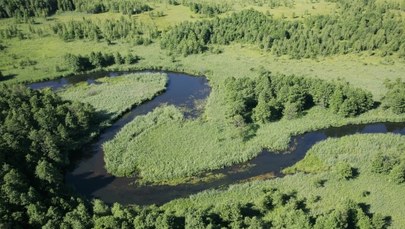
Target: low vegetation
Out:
[155,148]
[113,96]
[321,188]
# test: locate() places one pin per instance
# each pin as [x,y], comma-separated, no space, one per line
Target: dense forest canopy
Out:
[42,8]
[270,97]
[38,133]
[361,26]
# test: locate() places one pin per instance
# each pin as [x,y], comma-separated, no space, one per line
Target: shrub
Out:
[344,171]
[382,164]
[398,174]
[395,96]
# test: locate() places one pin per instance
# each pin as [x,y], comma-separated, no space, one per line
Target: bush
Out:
[344,171]
[395,96]
[291,110]
[398,174]
[131,59]
[77,63]
[382,164]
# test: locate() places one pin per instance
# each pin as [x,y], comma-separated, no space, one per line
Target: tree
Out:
[397,174]
[262,112]
[74,63]
[382,164]
[78,218]
[48,172]
[395,96]
[118,58]
[96,59]
[344,171]
[35,144]
[131,59]
[100,208]
[291,110]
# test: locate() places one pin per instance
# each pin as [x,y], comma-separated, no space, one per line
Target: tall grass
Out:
[162,146]
[114,96]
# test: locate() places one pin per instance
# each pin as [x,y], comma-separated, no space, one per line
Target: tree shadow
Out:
[7,77]
[86,184]
[250,132]
[376,104]
[355,173]
[249,210]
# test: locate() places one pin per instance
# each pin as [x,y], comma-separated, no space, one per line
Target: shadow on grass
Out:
[250,132]
[7,77]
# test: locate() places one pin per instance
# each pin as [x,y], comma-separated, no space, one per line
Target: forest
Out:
[376,29]
[43,8]
[175,114]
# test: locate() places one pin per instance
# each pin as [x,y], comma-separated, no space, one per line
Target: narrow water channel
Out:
[90,178]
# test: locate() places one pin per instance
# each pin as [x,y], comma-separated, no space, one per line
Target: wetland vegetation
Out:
[276,69]
[115,96]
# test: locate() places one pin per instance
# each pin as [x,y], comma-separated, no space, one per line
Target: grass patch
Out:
[310,164]
[163,146]
[114,96]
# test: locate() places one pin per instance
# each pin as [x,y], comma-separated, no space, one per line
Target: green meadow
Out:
[114,96]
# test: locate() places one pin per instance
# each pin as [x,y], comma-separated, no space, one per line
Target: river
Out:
[89,177]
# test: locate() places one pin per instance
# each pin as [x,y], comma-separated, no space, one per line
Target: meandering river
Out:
[90,178]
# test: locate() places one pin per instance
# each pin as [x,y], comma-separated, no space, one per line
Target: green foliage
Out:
[382,163]
[110,30]
[77,63]
[107,96]
[291,110]
[270,97]
[344,171]
[263,112]
[310,164]
[152,146]
[209,9]
[43,8]
[96,60]
[347,101]
[48,172]
[38,133]
[395,97]
[99,60]
[24,9]
[127,7]
[275,202]
[289,211]
[311,37]
[397,174]
[117,162]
